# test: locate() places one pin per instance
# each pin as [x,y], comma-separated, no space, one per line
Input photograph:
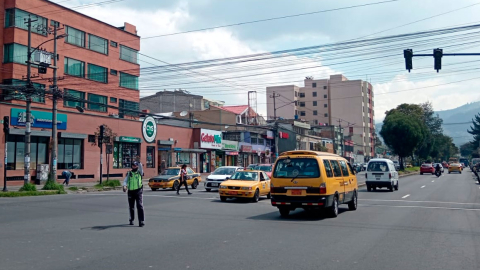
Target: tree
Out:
[467,149]
[401,132]
[475,131]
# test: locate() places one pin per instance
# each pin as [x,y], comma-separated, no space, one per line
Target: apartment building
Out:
[334,101]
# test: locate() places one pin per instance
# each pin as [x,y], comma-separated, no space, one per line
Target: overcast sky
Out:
[158,17]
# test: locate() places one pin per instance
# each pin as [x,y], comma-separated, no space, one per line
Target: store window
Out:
[182,158]
[16,154]
[150,157]
[70,154]
[124,154]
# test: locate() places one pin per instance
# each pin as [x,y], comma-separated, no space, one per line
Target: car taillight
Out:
[323,188]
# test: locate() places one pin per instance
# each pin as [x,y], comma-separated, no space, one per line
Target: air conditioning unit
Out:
[114,115]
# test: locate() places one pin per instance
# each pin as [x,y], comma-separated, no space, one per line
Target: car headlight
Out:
[246,188]
[224,187]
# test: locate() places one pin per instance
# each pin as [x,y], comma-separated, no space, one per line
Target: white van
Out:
[381,173]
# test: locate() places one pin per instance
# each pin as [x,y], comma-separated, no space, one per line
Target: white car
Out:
[381,173]
[219,175]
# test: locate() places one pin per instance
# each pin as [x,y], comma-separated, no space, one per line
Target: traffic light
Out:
[437,55]
[6,124]
[408,54]
[100,136]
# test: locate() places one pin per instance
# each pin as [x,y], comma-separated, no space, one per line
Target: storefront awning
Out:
[39,133]
[73,135]
[189,150]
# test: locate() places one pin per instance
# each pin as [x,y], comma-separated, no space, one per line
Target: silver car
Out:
[219,175]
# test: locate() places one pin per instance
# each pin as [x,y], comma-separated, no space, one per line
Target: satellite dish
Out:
[183,113]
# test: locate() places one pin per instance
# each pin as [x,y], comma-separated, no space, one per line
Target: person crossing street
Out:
[183,180]
[133,184]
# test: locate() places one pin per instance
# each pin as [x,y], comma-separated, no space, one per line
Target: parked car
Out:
[219,175]
[396,164]
[246,184]
[267,168]
[381,173]
[364,166]
[445,164]
[455,167]
[170,178]
[251,167]
[441,167]
[427,168]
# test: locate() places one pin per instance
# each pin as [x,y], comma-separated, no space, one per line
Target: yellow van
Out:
[310,179]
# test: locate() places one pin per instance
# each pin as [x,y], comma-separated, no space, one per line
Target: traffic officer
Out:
[133,183]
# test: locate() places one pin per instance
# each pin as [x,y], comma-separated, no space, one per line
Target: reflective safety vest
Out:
[134,180]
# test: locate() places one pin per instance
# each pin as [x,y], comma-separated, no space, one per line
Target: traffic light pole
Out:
[100,144]
[437,55]
[5,130]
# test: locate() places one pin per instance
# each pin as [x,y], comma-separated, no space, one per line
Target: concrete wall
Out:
[284,103]
[321,98]
[171,101]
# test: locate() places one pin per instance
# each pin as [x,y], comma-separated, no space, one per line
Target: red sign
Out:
[246,148]
[231,153]
[283,135]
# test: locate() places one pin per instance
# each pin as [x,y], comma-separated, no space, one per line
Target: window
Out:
[314,103]
[150,157]
[97,73]
[15,53]
[302,104]
[128,54]
[9,94]
[91,138]
[302,94]
[183,158]
[72,98]
[70,154]
[261,141]
[128,81]
[113,100]
[253,140]
[314,85]
[113,72]
[16,154]
[74,67]
[314,94]
[344,168]
[75,36]
[337,172]
[113,44]
[129,106]
[296,103]
[97,99]
[297,167]
[16,17]
[325,87]
[325,96]
[296,94]
[326,115]
[190,171]
[325,105]
[302,113]
[97,44]
[328,168]
[315,113]
[124,153]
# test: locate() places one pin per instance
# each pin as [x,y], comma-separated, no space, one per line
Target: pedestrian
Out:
[133,183]
[183,179]
[163,165]
[67,174]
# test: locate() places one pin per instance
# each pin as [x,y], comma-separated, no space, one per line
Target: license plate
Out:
[214,184]
[232,192]
[296,192]
[378,178]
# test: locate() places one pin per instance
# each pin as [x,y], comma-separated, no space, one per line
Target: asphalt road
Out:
[430,223]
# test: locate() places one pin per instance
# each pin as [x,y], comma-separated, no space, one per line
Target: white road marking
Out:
[433,181]
[422,186]
[424,207]
[408,195]
[378,200]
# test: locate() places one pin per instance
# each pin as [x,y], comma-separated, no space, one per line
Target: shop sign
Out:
[270,134]
[246,149]
[231,153]
[230,145]
[301,125]
[129,139]
[149,129]
[283,135]
[18,117]
[210,139]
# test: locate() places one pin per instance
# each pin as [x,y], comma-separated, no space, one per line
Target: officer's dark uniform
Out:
[133,182]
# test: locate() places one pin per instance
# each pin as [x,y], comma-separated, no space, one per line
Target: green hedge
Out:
[28,187]
[30,193]
[52,185]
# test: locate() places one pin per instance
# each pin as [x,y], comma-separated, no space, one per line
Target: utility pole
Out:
[277,134]
[342,147]
[53,162]
[6,131]
[28,97]
[100,144]
[274,105]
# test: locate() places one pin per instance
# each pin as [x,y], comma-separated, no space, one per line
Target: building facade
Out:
[176,101]
[334,101]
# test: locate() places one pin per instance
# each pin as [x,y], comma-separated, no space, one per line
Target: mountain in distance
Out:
[458,132]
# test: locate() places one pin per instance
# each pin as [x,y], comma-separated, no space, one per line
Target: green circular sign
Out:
[149,129]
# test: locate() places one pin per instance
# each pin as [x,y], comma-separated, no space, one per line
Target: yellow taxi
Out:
[246,184]
[170,178]
[313,180]
[455,167]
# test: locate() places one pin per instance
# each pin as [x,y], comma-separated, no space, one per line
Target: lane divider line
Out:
[378,200]
[433,181]
[408,195]
[423,207]
[422,186]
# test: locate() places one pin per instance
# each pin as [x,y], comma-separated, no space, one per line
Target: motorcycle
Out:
[438,173]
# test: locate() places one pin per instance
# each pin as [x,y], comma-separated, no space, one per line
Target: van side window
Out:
[328,168]
[344,167]
[350,169]
[336,168]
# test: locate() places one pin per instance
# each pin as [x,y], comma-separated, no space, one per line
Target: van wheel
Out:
[195,184]
[352,205]
[284,212]
[223,199]
[396,186]
[334,208]
[207,189]
[256,196]
[391,187]
[369,188]
[374,188]
[154,189]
